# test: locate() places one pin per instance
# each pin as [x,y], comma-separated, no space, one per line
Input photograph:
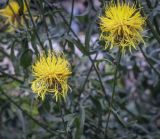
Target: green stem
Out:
[70,22]
[149,24]
[71,17]
[41,10]
[30,33]
[45,127]
[34,26]
[11,77]
[148,61]
[5,53]
[99,78]
[113,92]
[86,79]
[62,117]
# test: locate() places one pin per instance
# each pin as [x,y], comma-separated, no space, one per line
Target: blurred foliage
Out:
[72,27]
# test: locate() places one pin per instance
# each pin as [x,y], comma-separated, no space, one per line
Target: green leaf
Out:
[71,121]
[26,58]
[89,31]
[78,45]
[120,120]
[79,122]
[82,117]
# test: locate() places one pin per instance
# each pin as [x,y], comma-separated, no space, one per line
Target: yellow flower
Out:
[122,26]
[51,73]
[13,13]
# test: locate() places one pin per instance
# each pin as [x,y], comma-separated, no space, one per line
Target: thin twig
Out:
[70,22]
[113,93]
[71,17]
[34,26]
[45,23]
[11,77]
[45,127]
[149,24]
[62,117]
[148,61]
[86,79]
[30,33]
[5,53]
[99,78]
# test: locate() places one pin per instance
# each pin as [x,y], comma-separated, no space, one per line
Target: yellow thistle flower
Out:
[122,26]
[13,14]
[51,72]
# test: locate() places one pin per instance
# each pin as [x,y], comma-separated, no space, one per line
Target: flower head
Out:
[51,73]
[13,13]
[121,26]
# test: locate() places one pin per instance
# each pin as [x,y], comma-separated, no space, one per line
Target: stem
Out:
[11,77]
[5,53]
[71,18]
[86,79]
[149,63]
[113,92]
[30,33]
[70,22]
[99,78]
[34,26]
[62,117]
[149,24]
[45,127]
[41,10]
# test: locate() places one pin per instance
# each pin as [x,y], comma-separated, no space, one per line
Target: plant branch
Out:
[45,127]
[12,77]
[148,61]
[86,79]
[41,10]
[34,26]
[62,117]
[149,24]
[113,92]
